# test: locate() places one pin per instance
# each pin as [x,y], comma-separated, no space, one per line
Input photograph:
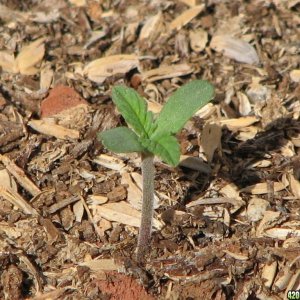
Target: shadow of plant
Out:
[262,146]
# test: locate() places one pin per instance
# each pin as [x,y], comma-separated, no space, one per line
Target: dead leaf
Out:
[100,69]
[30,56]
[234,48]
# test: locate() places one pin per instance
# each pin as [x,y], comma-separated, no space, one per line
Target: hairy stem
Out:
[147,205]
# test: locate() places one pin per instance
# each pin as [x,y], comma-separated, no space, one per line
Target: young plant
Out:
[150,135]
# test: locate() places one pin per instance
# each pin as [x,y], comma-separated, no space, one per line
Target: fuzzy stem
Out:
[147,205]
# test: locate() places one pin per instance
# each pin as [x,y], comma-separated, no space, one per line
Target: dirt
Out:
[226,222]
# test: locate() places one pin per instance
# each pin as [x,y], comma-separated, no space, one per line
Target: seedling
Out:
[150,135]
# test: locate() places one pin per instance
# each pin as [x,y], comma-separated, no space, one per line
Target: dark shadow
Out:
[265,143]
[238,156]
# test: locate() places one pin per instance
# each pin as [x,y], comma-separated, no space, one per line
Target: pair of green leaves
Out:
[155,135]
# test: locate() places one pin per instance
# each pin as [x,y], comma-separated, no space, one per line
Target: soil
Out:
[226,222]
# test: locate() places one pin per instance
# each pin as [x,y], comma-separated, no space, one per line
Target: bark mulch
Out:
[226,223]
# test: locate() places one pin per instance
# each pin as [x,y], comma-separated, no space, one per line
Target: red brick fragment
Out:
[60,98]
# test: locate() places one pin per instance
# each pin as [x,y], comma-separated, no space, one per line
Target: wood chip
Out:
[244,104]
[195,163]
[155,107]
[234,48]
[282,233]
[270,219]
[20,175]
[211,139]
[15,199]
[46,77]
[7,62]
[236,255]
[96,199]
[198,39]
[268,274]
[123,213]
[256,209]
[78,210]
[235,124]
[186,17]
[48,128]
[53,233]
[218,200]
[167,72]
[190,3]
[109,162]
[262,188]
[100,265]
[295,75]
[100,69]
[152,28]
[134,193]
[7,180]
[78,3]
[295,186]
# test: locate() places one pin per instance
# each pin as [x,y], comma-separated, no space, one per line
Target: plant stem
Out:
[147,205]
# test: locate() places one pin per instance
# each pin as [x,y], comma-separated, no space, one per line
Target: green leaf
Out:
[166,147]
[182,105]
[133,108]
[121,140]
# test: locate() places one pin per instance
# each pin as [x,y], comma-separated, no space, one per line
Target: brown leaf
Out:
[30,56]
[234,48]
[100,69]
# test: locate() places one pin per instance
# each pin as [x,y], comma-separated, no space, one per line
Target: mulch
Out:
[226,223]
